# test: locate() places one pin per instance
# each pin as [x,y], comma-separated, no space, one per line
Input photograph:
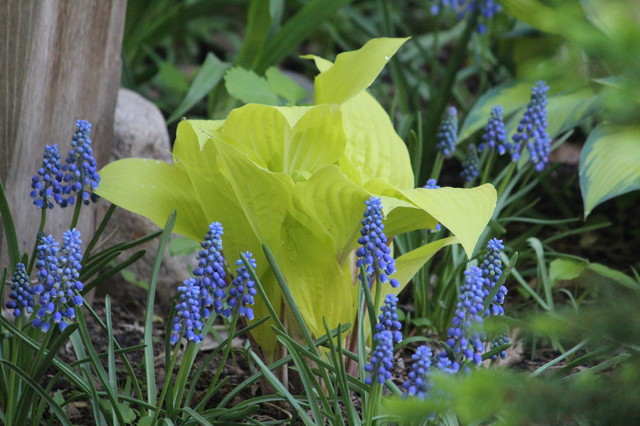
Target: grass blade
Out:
[149,365]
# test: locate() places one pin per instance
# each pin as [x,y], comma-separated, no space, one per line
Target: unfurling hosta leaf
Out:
[296,179]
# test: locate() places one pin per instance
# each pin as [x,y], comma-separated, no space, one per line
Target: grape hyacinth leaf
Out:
[609,164]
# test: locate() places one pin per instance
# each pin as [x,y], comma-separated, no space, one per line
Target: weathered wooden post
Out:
[59,61]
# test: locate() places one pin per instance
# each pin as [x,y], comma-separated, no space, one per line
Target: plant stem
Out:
[32,259]
[437,167]
[76,212]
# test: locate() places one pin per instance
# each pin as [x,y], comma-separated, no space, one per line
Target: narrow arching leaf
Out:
[208,76]
[609,164]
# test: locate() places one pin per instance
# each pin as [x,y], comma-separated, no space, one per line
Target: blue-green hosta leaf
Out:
[609,164]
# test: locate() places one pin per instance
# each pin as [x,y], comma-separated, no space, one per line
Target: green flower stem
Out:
[488,165]
[506,178]
[374,402]
[227,349]
[183,373]
[32,259]
[437,167]
[76,212]
[165,388]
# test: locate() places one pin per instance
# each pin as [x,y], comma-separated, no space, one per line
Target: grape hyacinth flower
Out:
[491,272]
[432,184]
[487,9]
[187,322]
[81,176]
[448,133]
[211,271]
[388,318]
[494,135]
[443,363]
[470,168]
[373,253]
[46,187]
[532,129]
[463,339]
[242,289]
[418,382]
[500,340]
[59,273]
[381,361]
[21,292]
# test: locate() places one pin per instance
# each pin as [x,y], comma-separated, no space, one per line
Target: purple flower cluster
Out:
[463,338]
[491,271]
[532,129]
[494,135]
[78,177]
[207,290]
[486,8]
[59,280]
[381,361]
[373,253]
[46,187]
[448,133]
[21,292]
[418,383]
[388,318]
[470,167]
[81,176]
[243,289]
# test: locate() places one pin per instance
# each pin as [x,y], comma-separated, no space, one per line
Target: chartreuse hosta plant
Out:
[296,179]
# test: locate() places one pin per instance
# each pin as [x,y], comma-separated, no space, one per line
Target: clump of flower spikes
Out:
[432,184]
[243,289]
[470,168]
[532,129]
[81,170]
[463,338]
[486,8]
[46,187]
[374,254]
[448,133]
[381,361]
[494,135]
[59,284]
[206,290]
[21,292]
